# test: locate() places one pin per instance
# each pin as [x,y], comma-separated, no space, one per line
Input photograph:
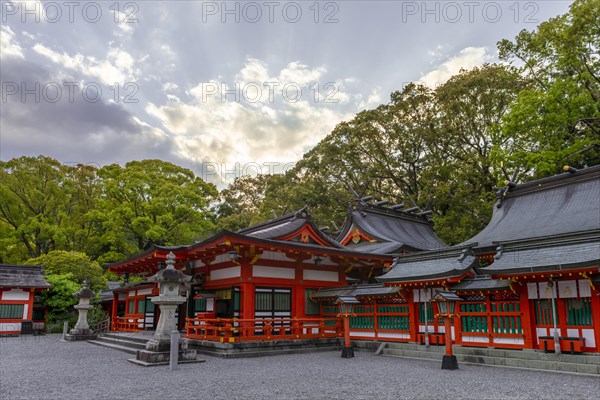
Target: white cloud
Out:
[169,86]
[8,46]
[467,58]
[117,67]
[217,126]
[124,26]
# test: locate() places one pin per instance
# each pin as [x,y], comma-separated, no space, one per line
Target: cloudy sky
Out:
[225,88]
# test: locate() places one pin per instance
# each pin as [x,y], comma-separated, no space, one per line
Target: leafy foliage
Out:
[151,202]
[561,59]
[61,298]
[77,266]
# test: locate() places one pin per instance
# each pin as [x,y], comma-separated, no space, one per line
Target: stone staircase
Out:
[262,349]
[585,363]
[122,341]
[131,343]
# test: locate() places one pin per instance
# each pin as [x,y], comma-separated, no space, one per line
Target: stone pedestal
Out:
[82,330]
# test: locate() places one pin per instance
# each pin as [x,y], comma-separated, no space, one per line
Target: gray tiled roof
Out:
[285,225]
[557,205]
[481,284]
[430,265]
[546,258]
[22,276]
[357,291]
[393,229]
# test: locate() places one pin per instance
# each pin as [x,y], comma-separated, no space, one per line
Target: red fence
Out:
[230,330]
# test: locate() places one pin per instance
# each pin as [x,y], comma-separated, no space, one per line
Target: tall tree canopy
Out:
[33,208]
[109,213]
[151,202]
[561,58]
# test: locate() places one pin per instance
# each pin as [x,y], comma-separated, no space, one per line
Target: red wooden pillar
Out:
[488,319]
[375,308]
[115,305]
[448,334]
[595,305]
[526,318]
[30,305]
[247,290]
[413,318]
[561,311]
[298,293]
[457,324]
[247,300]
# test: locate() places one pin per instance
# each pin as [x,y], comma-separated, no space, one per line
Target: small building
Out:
[19,285]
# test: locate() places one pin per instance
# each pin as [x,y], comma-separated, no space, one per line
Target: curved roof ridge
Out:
[557,205]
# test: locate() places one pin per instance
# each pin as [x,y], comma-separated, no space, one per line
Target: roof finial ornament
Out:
[170,260]
[509,183]
[464,253]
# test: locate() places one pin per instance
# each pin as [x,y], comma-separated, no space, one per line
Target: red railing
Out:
[128,323]
[230,330]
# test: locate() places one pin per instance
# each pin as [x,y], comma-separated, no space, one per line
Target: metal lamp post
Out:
[446,302]
[346,304]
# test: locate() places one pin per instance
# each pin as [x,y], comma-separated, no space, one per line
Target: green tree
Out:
[32,206]
[150,202]
[77,266]
[561,59]
[60,298]
[464,168]
[240,202]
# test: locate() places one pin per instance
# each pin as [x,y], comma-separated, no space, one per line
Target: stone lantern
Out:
[82,330]
[170,282]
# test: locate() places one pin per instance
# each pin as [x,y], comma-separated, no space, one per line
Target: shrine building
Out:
[19,312]
[534,269]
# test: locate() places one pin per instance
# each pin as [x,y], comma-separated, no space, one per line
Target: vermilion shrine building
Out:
[541,247]
[18,286]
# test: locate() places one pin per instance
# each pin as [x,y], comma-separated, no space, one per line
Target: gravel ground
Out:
[46,368]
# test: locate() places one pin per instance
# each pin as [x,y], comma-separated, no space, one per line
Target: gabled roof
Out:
[22,276]
[557,254]
[224,241]
[390,231]
[449,263]
[553,206]
[297,226]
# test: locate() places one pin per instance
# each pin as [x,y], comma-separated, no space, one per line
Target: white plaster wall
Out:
[394,335]
[260,271]
[316,275]
[10,327]
[16,294]
[590,340]
[509,340]
[225,273]
[475,339]
[362,333]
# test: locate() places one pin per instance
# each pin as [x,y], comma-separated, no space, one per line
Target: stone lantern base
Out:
[158,353]
[80,334]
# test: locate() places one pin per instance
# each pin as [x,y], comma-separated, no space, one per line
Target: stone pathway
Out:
[46,368]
